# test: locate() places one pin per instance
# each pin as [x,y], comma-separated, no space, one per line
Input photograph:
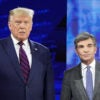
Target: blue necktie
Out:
[24,63]
[89,83]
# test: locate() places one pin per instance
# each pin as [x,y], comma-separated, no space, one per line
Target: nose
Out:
[86,49]
[22,25]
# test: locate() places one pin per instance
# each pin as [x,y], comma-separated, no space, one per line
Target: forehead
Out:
[85,42]
[22,17]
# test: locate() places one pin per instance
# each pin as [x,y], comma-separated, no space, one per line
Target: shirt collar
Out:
[83,66]
[15,41]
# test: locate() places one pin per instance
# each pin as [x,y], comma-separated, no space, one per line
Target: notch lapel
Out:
[36,65]
[81,89]
[78,83]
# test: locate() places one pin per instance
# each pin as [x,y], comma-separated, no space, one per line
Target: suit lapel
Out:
[81,89]
[79,84]
[10,50]
[97,78]
[36,65]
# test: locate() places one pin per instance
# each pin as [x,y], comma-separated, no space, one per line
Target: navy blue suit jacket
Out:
[40,84]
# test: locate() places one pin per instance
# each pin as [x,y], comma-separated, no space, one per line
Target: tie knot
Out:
[20,43]
[88,67]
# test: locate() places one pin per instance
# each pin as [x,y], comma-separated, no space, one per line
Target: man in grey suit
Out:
[78,82]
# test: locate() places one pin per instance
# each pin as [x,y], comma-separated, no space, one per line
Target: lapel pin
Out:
[35,49]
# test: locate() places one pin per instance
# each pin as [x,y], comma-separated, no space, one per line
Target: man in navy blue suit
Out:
[13,85]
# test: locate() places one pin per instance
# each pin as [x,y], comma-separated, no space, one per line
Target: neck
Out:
[87,62]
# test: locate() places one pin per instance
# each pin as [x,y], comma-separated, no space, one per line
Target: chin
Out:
[22,39]
[86,59]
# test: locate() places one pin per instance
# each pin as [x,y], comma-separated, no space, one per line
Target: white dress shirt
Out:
[26,48]
[84,69]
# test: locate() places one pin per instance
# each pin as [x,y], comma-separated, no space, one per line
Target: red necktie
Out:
[24,63]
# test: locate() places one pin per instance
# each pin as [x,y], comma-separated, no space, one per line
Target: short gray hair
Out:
[84,36]
[21,11]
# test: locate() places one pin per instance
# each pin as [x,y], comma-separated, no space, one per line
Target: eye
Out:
[90,45]
[17,22]
[25,22]
[80,46]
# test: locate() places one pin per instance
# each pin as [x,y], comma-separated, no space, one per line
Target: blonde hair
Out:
[21,11]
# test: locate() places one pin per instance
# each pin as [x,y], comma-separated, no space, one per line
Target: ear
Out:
[76,51]
[9,25]
[31,26]
[95,50]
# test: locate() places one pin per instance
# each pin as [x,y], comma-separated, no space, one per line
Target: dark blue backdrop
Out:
[48,29]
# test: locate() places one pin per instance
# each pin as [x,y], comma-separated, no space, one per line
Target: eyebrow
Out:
[87,45]
[91,44]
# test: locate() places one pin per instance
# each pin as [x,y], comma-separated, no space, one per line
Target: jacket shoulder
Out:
[73,73]
[39,46]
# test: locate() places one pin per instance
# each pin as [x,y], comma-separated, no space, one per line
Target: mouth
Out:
[22,32]
[86,55]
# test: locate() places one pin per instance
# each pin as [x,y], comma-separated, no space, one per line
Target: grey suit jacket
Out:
[72,87]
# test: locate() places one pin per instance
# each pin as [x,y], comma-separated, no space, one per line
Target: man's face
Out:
[86,50]
[20,26]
